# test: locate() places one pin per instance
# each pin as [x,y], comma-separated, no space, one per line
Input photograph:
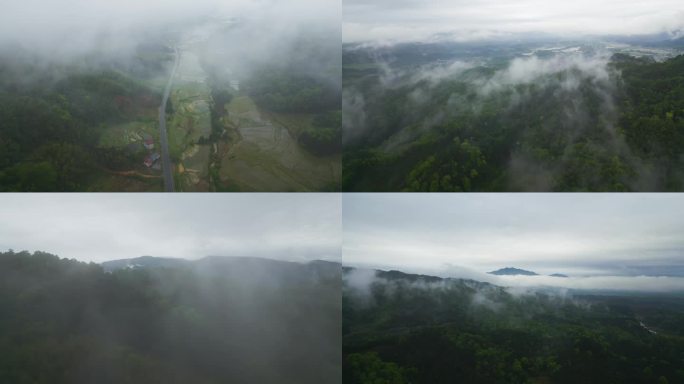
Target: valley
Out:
[513,116]
[232,121]
[407,328]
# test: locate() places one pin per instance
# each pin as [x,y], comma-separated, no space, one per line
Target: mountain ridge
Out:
[152,262]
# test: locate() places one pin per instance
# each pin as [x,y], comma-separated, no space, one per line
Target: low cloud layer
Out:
[563,74]
[414,20]
[362,279]
[608,283]
[527,70]
[602,240]
[99,227]
[66,29]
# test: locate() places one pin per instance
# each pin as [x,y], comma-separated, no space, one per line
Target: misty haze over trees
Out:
[520,95]
[407,328]
[513,288]
[536,115]
[149,320]
[254,105]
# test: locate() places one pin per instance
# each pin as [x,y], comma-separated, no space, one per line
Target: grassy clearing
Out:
[121,135]
[196,159]
[191,90]
[242,111]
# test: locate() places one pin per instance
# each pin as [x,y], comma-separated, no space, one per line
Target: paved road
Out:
[167,167]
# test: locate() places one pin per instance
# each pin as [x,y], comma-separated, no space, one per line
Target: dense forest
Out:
[403,328]
[51,118]
[215,320]
[534,124]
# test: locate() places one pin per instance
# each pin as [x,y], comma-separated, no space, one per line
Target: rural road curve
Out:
[167,168]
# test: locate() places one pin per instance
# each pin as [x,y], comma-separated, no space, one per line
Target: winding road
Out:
[167,167]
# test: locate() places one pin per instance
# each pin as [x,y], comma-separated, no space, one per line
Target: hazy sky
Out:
[412,20]
[72,27]
[99,227]
[577,234]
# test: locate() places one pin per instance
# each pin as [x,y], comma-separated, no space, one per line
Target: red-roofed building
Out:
[151,159]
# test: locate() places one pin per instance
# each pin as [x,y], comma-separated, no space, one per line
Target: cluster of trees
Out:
[221,96]
[452,169]
[283,90]
[623,134]
[324,136]
[418,329]
[49,131]
[216,320]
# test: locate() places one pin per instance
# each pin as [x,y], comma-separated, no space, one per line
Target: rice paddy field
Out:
[266,157]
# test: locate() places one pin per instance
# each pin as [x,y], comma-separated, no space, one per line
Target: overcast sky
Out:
[575,234]
[99,227]
[72,27]
[415,20]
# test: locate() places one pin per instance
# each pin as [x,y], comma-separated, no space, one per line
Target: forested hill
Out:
[214,321]
[512,271]
[569,124]
[403,328]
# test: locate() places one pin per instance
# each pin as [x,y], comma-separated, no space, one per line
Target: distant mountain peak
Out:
[558,275]
[510,271]
[153,262]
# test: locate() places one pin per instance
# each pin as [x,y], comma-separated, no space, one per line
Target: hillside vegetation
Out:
[534,125]
[52,121]
[215,320]
[402,328]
